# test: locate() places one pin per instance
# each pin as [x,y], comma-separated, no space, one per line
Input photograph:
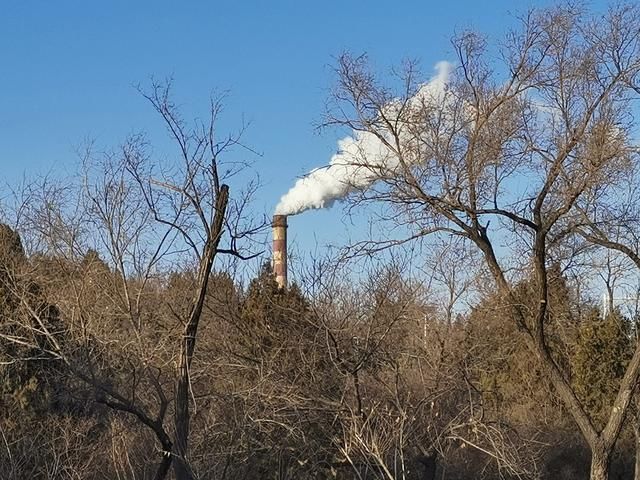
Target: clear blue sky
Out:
[68,70]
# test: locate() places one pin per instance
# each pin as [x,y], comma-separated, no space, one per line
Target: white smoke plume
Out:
[360,156]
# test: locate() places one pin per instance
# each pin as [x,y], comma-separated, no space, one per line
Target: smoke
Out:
[362,158]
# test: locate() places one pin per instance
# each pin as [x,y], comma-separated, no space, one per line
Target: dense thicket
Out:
[364,381]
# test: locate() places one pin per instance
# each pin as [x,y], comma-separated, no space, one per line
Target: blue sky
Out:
[68,70]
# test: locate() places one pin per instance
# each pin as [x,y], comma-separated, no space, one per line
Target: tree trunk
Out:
[600,463]
[163,467]
[636,431]
[181,463]
[181,468]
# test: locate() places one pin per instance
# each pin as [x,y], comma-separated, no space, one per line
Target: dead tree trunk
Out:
[188,343]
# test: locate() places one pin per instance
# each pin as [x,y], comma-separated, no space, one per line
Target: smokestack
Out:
[279,226]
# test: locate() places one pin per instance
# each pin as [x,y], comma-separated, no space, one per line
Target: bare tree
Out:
[121,334]
[409,395]
[519,154]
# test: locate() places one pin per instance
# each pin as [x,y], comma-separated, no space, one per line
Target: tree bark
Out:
[600,462]
[636,432]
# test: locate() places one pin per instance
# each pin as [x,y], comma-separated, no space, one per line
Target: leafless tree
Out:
[409,398]
[113,238]
[526,154]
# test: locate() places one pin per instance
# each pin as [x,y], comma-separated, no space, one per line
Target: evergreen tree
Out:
[603,351]
[273,316]
[28,376]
